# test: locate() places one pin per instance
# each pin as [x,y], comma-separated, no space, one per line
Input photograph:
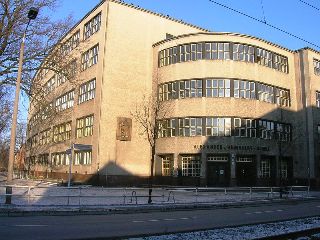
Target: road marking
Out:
[267,211]
[30,225]
[165,219]
[318,206]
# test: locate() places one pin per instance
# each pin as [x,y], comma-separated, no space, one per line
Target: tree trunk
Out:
[153,151]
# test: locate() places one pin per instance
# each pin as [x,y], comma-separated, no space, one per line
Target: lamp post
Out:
[32,14]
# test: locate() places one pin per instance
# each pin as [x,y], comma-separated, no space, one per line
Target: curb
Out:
[22,211]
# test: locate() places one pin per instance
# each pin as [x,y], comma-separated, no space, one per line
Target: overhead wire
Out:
[310,5]
[264,22]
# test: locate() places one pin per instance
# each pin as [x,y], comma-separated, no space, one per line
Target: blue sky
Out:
[293,16]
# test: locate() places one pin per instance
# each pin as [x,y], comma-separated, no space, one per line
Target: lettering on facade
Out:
[231,147]
[124,128]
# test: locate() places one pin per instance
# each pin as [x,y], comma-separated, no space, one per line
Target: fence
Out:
[99,196]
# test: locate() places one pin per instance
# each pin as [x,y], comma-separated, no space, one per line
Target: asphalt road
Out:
[137,224]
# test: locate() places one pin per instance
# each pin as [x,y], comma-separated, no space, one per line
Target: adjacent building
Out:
[240,110]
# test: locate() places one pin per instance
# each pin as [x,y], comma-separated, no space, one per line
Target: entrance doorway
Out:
[218,171]
[246,172]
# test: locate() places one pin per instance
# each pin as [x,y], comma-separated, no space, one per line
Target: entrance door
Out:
[246,173]
[217,174]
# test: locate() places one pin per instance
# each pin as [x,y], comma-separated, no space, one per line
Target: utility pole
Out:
[32,14]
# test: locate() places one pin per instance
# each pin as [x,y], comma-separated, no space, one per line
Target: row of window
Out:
[62,132]
[224,88]
[90,57]
[65,101]
[61,159]
[191,165]
[223,51]
[58,79]
[224,126]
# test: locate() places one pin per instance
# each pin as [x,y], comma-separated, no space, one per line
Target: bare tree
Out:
[4,154]
[148,114]
[5,111]
[43,33]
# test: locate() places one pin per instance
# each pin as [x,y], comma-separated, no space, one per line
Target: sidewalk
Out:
[46,198]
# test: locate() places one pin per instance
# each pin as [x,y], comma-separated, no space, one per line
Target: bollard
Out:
[8,195]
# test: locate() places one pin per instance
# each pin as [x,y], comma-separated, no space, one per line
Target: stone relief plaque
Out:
[124,128]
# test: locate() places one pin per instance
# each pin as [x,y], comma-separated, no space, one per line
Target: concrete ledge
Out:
[33,210]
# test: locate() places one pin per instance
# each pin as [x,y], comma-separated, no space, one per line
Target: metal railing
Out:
[100,196]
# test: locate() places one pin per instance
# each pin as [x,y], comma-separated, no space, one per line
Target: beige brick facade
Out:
[131,41]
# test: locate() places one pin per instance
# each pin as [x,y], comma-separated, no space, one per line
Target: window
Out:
[196,51]
[265,168]
[217,158]
[218,88]
[60,79]
[191,165]
[190,127]
[167,165]
[43,159]
[218,126]
[280,63]
[318,99]
[84,126]
[190,88]
[34,140]
[62,132]
[65,101]
[87,91]
[284,169]
[72,69]
[244,127]
[283,97]
[266,129]
[283,132]
[45,137]
[217,50]
[90,57]
[242,52]
[168,91]
[92,26]
[264,57]
[265,93]
[50,85]
[83,157]
[71,43]
[59,158]
[244,159]
[244,89]
[316,65]
[46,111]
[167,128]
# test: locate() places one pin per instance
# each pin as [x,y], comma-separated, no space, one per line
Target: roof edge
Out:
[137,7]
[308,48]
[223,33]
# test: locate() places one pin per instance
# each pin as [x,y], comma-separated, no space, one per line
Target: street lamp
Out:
[32,14]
